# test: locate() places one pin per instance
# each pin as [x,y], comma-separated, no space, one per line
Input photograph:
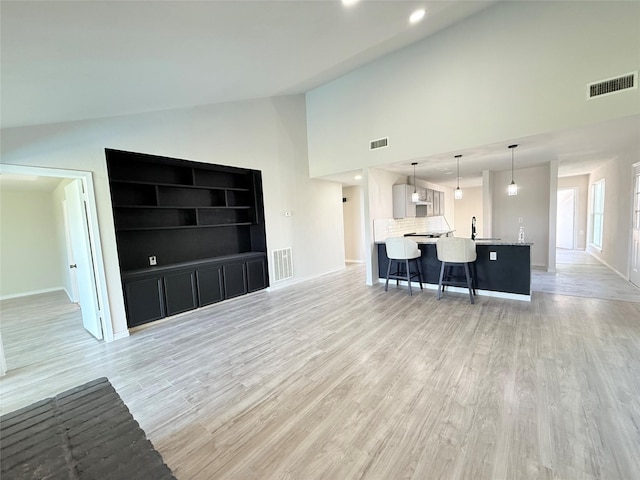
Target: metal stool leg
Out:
[440,281]
[417,260]
[406,262]
[466,272]
[386,285]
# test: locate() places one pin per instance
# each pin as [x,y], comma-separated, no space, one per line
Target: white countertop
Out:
[489,241]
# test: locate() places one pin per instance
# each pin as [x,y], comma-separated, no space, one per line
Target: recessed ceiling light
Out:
[417,15]
[358,177]
[348,3]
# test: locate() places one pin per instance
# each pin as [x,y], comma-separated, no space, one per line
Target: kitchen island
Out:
[506,276]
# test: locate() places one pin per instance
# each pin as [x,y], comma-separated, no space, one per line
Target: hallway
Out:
[580,274]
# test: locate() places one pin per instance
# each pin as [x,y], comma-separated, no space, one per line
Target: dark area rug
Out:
[84,433]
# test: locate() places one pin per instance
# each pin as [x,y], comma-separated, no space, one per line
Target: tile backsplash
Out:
[397,227]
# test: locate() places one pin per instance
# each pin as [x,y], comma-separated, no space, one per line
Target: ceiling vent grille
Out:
[612,85]
[380,143]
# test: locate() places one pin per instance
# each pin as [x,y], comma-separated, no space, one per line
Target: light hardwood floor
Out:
[333,379]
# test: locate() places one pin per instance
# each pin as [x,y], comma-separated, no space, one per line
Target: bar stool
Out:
[403,251]
[455,251]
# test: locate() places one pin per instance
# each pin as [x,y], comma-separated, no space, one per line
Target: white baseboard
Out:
[608,266]
[32,292]
[121,335]
[484,293]
[69,296]
[296,280]
[347,260]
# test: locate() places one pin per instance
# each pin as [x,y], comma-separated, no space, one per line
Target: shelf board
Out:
[182,207]
[178,185]
[239,207]
[161,269]
[181,227]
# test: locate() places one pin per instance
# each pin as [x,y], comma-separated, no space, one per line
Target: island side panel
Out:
[510,273]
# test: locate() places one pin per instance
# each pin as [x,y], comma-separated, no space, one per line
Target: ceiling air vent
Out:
[380,143]
[612,85]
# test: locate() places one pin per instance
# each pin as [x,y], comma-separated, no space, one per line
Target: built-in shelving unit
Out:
[189,216]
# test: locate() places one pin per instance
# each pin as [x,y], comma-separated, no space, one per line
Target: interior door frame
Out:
[634,167]
[93,232]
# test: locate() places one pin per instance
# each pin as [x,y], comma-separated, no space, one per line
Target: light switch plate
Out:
[493,255]
[153,260]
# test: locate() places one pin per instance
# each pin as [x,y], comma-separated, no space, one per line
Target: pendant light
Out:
[513,188]
[414,196]
[458,192]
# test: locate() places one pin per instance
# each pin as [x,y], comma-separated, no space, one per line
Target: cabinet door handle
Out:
[73,266]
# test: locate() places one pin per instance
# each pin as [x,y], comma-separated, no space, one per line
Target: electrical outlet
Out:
[153,260]
[493,255]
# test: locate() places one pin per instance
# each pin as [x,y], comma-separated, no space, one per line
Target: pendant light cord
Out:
[512,164]
[414,177]
[512,148]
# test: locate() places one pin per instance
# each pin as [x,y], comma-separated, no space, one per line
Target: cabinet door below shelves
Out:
[256,275]
[144,300]
[180,292]
[210,285]
[235,283]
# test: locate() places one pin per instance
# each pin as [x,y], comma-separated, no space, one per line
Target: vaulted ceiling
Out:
[73,60]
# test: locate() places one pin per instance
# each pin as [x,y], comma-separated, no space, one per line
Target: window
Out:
[597,212]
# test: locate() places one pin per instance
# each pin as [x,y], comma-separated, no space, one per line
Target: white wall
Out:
[470,205]
[267,134]
[29,244]
[513,70]
[531,204]
[354,247]
[618,189]
[378,194]
[380,199]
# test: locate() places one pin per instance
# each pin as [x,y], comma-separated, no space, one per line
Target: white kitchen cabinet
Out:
[404,207]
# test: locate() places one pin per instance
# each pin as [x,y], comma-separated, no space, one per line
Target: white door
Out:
[565,218]
[634,271]
[79,236]
[73,277]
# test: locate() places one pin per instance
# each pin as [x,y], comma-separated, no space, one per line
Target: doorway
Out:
[566,218]
[95,264]
[353,224]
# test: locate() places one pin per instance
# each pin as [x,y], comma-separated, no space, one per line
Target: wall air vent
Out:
[612,85]
[282,264]
[380,143]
